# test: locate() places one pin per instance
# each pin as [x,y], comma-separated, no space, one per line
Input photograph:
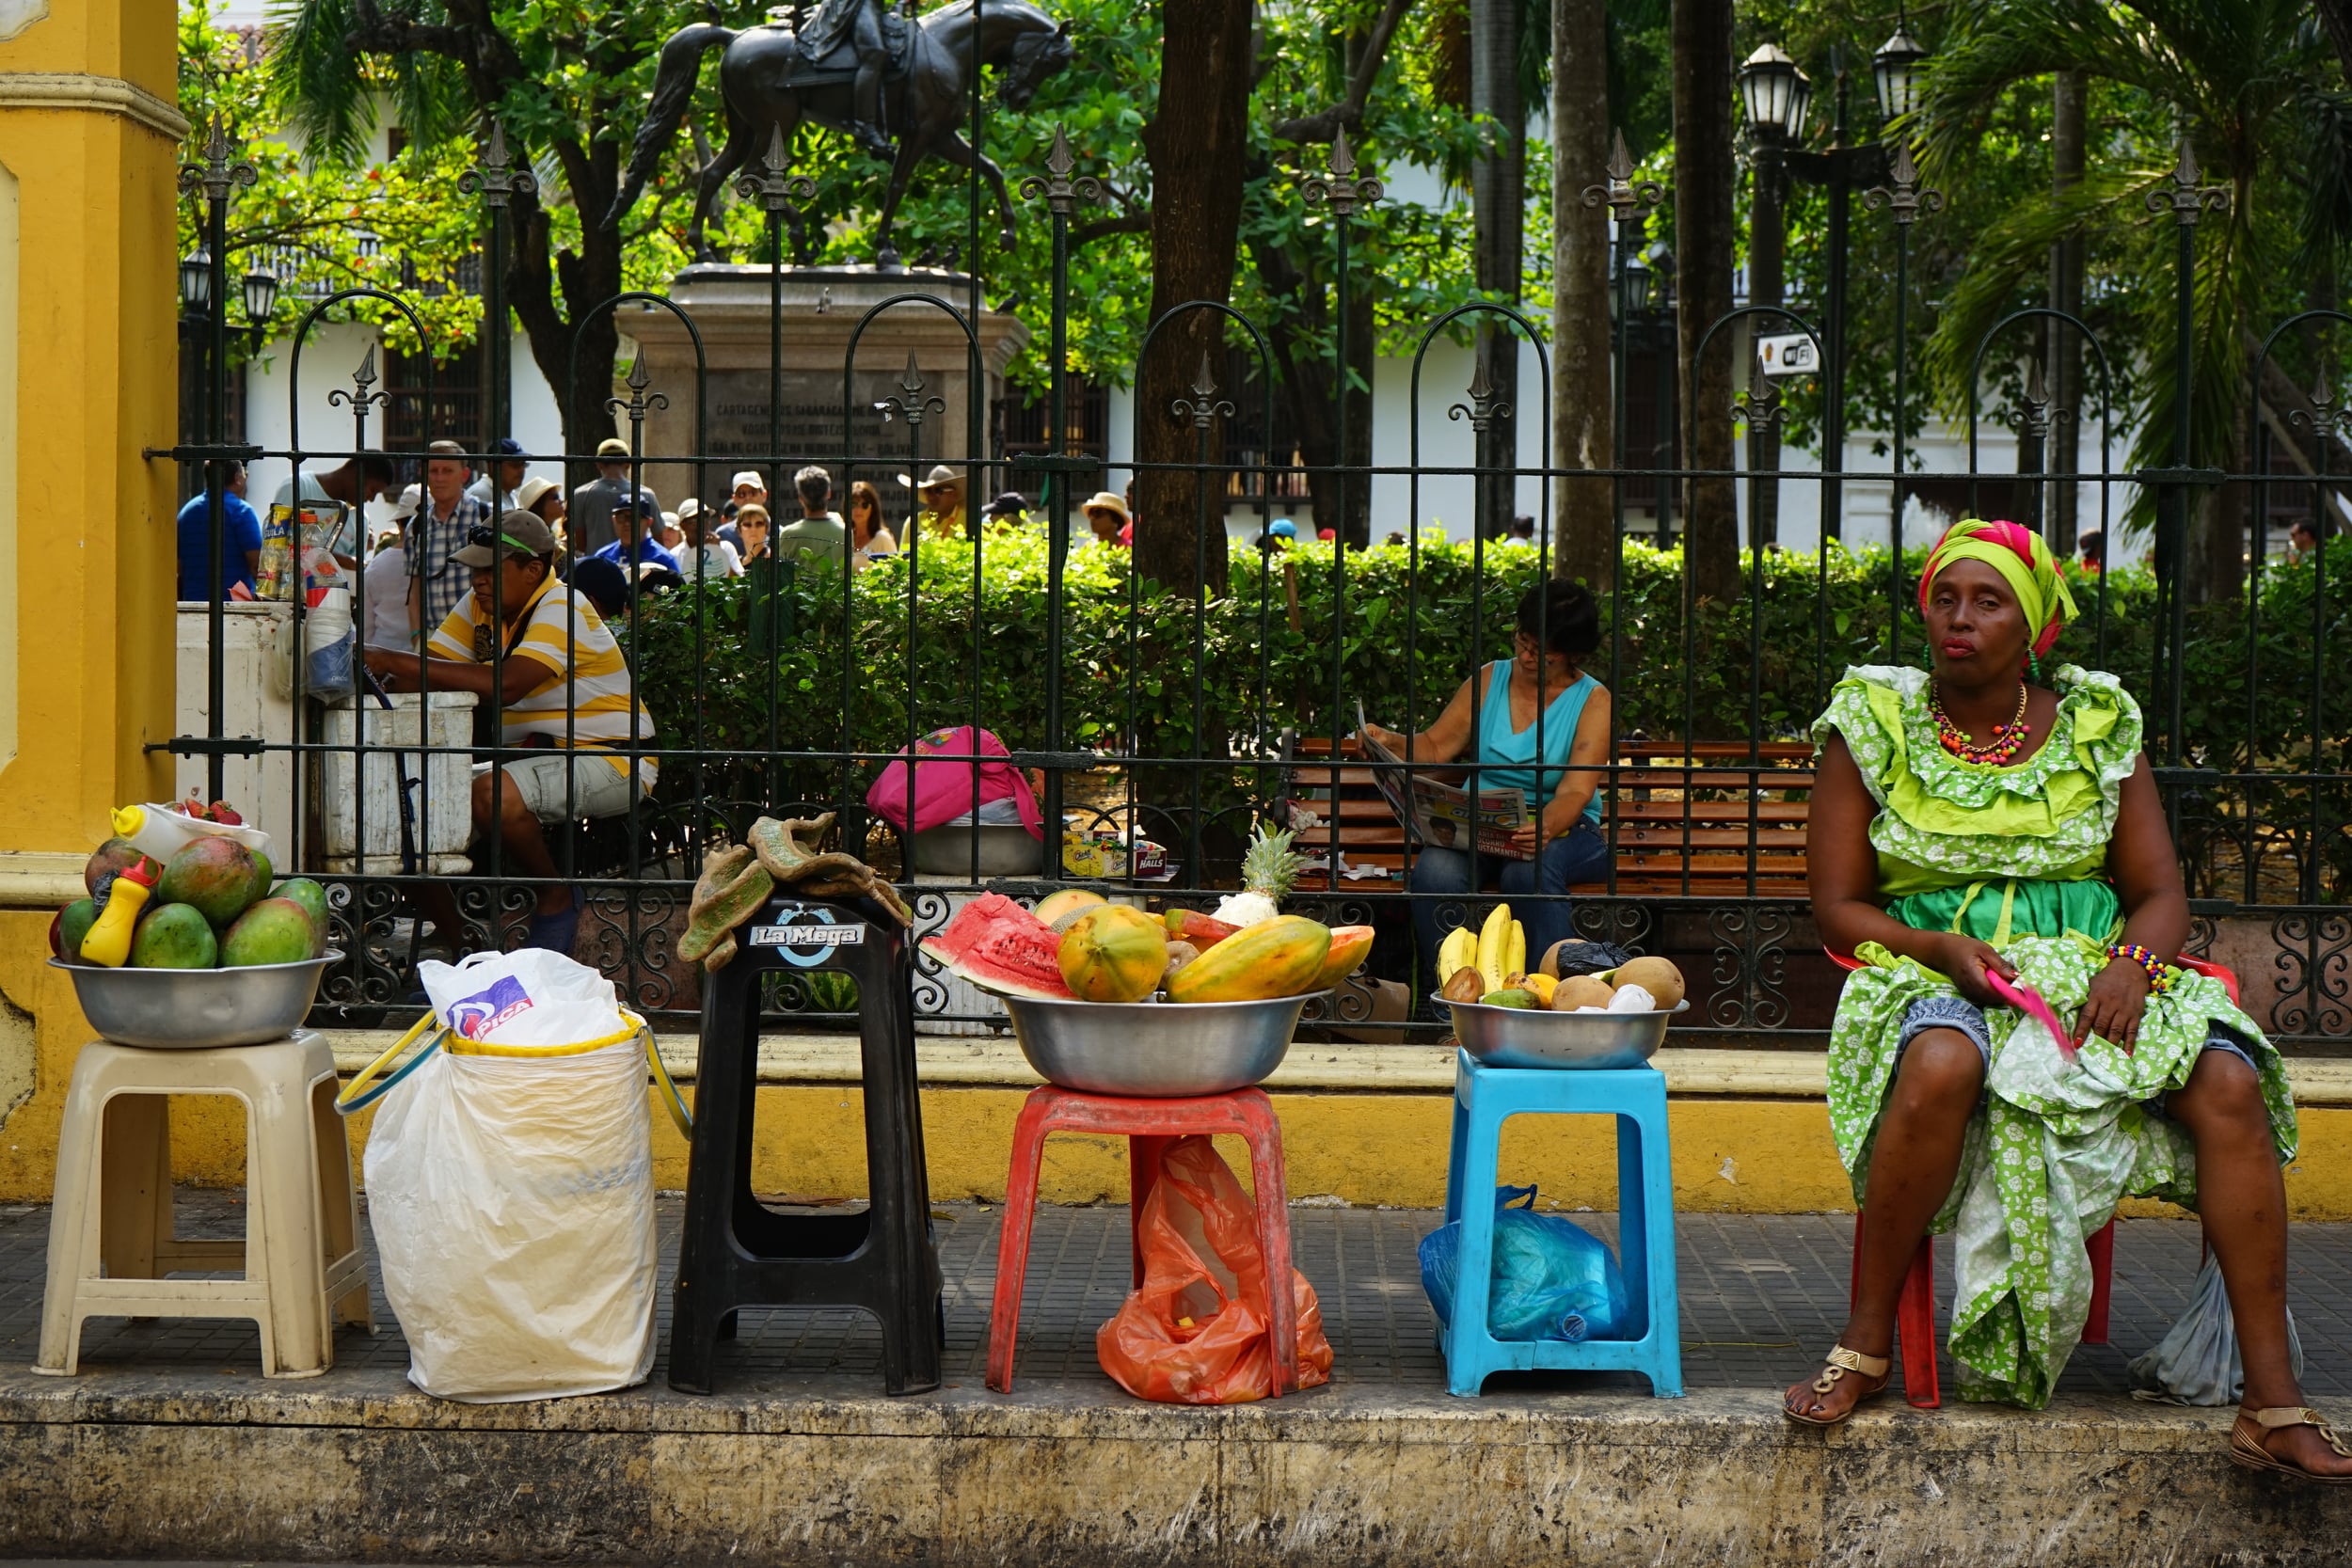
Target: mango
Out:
[74,923]
[1512,996]
[113,857]
[175,936]
[219,876]
[306,892]
[274,931]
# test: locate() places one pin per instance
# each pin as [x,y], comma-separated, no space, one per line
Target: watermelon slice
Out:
[1001,947]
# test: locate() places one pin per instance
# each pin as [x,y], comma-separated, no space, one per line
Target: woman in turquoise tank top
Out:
[1528,721]
[1994,852]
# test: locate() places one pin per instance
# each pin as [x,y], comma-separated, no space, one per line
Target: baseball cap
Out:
[1282,528]
[749,477]
[635,500]
[409,501]
[506,446]
[518,533]
[1011,504]
[612,446]
[689,507]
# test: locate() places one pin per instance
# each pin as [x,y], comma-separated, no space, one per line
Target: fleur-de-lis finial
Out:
[2186,201]
[1204,406]
[1625,195]
[496,178]
[1341,189]
[774,188]
[910,404]
[1061,193]
[215,175]
[362,395]
[1901,195]
[638,402]
[1484,408]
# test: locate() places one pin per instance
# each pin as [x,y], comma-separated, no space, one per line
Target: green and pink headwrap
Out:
[2025,563]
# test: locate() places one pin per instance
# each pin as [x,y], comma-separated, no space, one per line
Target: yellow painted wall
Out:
[88,536]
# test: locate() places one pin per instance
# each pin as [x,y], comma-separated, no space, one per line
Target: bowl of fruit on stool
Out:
[197,950]
[1586,1005]
[1108,999]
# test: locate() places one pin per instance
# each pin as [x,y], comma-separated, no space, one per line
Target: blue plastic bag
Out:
[1551,1278]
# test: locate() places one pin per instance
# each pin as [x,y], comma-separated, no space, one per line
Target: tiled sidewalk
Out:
[1763,1298]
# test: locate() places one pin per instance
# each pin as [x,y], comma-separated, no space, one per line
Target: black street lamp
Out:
[196,280]
[1776,97]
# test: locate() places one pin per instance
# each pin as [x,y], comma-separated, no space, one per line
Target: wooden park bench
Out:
[1714,826]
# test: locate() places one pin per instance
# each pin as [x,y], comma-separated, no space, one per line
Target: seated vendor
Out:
[559,682]
[1537,706]
[1995,820]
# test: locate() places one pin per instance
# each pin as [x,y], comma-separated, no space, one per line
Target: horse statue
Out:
[771,86]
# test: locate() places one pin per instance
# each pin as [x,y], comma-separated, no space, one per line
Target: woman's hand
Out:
[1966,959]
[1389,739]
[2117,1001]
[1526,839]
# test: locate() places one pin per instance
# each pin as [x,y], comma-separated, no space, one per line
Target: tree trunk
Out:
[2062,451]
[2217,533]
[1310,391]
[1705,170]
[1197,145]
[1498,219]
[1583,408]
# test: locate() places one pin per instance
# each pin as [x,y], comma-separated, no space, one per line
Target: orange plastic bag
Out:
[1194,1331]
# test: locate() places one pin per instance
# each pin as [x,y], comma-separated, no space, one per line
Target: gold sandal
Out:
[2247,1449]
[1833,1368]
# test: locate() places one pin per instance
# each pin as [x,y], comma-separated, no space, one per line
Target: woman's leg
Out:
[1442,876]
[1914,1162]
[2243,1202]
[1582,856]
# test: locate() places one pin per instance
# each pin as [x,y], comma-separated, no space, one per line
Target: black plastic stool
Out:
[736,1252]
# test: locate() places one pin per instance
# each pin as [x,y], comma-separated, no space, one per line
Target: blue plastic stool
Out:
[1484,1098]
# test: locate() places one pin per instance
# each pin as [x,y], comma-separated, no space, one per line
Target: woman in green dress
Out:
[1979,831]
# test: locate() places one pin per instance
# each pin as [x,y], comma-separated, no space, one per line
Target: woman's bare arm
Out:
[1442,741]
[2146,877]
[1843,872]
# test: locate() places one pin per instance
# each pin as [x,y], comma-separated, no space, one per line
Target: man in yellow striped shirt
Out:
[523,641]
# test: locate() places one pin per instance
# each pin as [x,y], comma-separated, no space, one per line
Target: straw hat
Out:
[1103,500]
[941,478]
[532,491]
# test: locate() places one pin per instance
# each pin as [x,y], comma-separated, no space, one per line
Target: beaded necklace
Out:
[2007,738]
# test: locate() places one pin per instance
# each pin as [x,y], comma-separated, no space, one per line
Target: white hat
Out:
[748,477]
[410,500]
[689,507]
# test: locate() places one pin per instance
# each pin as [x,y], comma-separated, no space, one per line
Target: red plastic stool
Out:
[1149,1125]
[1915,1309]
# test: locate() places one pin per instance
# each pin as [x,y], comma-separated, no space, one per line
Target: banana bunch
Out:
[1496,950]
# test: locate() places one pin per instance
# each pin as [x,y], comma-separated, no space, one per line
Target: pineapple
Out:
[1268,872]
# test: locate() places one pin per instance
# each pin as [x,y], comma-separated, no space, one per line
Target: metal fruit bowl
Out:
[1528,1036]
[193,1009]
[1155,1050]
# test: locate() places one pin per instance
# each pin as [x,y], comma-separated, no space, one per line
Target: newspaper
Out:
[1441,814]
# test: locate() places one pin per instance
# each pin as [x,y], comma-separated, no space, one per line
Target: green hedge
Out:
[1272,653]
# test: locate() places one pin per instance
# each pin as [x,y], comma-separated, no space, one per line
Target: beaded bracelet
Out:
[2160,976]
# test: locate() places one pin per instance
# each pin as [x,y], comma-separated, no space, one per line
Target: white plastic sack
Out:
[511,1198]
[2196,1362]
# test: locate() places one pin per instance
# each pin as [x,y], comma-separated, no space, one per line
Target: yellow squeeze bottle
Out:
[108,942]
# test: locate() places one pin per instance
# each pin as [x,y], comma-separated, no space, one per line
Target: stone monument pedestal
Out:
[729,305]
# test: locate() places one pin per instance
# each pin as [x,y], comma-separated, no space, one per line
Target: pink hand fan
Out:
[2029,1001]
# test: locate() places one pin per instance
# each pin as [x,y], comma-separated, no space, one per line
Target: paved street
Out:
[1762,1297]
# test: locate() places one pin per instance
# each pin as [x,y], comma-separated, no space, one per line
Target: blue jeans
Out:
[1582,856]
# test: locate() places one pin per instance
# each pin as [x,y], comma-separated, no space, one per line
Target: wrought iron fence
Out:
[1187,717]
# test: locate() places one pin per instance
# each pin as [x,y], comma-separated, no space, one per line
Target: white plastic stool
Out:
[110,1231]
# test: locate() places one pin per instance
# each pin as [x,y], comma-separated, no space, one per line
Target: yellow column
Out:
[89,148]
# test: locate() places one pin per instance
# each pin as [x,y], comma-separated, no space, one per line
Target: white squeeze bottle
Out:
[161,833]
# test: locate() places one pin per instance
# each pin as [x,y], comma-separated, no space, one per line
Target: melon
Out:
[1113,953]
[999,946]
[1058,909]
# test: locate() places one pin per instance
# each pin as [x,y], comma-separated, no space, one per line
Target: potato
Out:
[1658,977]
[1581,991]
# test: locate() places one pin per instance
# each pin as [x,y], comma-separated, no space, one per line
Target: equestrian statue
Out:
[900,88]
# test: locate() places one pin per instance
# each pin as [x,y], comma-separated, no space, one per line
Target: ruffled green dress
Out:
[2017,857]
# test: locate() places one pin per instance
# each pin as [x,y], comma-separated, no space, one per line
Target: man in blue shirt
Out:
[241,555]
[634,519]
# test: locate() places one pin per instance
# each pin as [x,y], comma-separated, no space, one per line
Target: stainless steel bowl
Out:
[1155,1050]
[1003,850]
[192,1009]
[1523,1036]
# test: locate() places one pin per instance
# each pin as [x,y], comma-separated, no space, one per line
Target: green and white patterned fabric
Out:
[2014,856]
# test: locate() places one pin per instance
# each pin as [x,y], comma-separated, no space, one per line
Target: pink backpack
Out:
[942,790]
